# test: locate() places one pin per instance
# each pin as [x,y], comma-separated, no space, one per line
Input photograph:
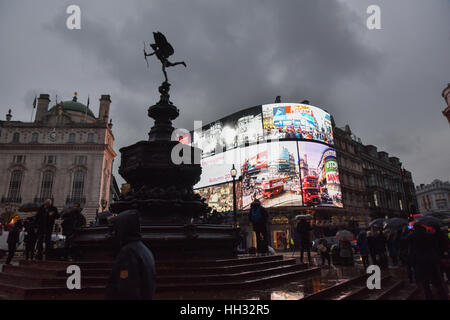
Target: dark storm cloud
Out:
[241,54]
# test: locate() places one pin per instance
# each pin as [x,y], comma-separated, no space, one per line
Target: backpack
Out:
[256,215]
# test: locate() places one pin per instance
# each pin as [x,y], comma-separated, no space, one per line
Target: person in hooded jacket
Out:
[133,275]
[258,217]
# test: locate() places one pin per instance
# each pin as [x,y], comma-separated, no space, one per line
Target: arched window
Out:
[47,185]
[34,137]
[90,138]
[72,138]
[78,186]
[16,137]
[14,186]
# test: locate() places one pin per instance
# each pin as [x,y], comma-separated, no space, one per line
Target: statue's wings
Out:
[165,48]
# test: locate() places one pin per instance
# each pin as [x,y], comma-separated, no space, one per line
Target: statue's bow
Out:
[145,55]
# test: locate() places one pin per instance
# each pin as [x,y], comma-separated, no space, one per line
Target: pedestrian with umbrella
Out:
[345,248]
[425,253]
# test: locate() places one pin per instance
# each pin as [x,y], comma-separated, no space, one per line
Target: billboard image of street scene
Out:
[319,175]
[220,197]
[296,121]
[216,169]
[270,173]
[238,129]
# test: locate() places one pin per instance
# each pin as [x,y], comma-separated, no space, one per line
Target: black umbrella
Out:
[29,207]
[431,222]
[378,223]
[344,235]
[395,223]
[68,206]
[102,217]
[439,215]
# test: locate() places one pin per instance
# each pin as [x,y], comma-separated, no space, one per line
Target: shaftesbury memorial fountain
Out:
[162,191]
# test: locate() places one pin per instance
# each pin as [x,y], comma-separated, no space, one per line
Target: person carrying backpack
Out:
[258,217]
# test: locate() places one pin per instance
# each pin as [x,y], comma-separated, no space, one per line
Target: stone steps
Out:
[47,279]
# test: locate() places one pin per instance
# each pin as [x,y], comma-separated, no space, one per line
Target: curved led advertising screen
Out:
[283,154]
[296,121]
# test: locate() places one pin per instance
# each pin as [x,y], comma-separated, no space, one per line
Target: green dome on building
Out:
[73,105]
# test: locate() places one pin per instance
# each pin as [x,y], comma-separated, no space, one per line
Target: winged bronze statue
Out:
[162,49]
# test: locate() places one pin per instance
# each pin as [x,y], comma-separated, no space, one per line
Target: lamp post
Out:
[233,175]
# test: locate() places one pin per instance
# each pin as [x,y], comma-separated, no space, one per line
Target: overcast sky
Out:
[386,84]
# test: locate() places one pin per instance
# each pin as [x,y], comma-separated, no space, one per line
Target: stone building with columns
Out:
[65,154]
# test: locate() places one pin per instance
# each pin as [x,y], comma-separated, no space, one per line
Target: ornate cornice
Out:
[56,146]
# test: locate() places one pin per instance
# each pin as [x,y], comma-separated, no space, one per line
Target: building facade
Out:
[434,197]
[374,184]
[65,154]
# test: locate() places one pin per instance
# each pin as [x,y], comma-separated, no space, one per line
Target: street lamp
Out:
[233,175]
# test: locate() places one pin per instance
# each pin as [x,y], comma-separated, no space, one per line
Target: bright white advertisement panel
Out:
[216,169]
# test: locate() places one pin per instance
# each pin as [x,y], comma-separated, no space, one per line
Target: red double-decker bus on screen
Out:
[311,193]
[272,187]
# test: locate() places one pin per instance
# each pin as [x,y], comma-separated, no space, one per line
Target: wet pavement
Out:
[295,289]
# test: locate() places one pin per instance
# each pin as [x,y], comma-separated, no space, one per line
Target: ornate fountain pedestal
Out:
[162,191]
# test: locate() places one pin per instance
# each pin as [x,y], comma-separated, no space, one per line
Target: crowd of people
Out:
[422,251]
[39,229]
[424,255]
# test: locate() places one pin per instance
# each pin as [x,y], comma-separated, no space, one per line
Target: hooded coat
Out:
[133,275]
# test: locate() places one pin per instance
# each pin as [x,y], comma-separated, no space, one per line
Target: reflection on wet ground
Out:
[292,290]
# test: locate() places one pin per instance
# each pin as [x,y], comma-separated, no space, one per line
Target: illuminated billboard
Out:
[220,197]
[296,121]
[319,174]
[216,169]
[282,152]
[270,173]
[239,129]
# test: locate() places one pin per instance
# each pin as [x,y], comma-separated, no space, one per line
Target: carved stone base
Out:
[167,242]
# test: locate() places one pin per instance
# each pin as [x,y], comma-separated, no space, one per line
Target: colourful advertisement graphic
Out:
[320,175]
[296,121]
[220,197]
[270,173]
